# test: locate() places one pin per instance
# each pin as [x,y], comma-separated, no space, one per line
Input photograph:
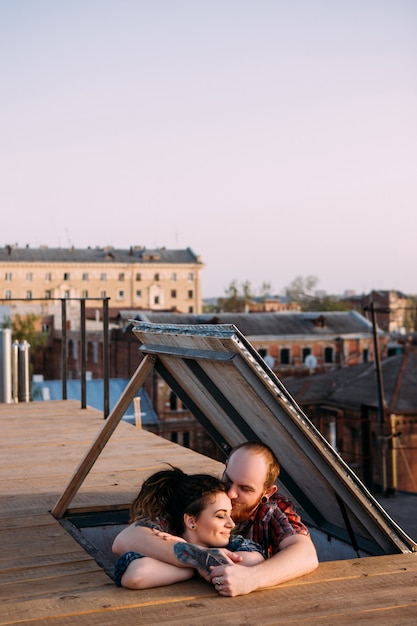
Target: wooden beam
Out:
[104,435]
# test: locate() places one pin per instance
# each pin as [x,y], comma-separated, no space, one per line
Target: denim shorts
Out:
[122,564]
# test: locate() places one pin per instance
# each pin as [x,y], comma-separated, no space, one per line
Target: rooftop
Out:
[47,577]
[286,323]
[108,254]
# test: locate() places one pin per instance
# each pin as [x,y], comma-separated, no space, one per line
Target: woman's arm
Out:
[146,573]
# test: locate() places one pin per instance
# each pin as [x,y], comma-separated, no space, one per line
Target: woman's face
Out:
[214,524]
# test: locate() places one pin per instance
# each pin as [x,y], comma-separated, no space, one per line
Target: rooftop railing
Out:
[83,344]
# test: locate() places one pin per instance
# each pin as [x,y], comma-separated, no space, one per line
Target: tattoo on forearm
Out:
[200,558]
[147,524]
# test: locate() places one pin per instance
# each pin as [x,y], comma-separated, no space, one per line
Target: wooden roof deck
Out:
[46,577]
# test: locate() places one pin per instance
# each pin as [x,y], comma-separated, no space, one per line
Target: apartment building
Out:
[134,278]
[395,311]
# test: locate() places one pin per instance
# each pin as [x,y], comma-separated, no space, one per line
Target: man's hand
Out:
[167,536]
[233,581]
[297,557]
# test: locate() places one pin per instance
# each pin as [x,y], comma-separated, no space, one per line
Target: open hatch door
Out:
[230,389]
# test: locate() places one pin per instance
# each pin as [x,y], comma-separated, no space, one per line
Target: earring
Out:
[192,526]
[264,499]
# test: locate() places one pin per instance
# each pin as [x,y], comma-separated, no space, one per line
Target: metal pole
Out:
[394,469]
[380,384]
[64,348]
[23,365]
[6,365]
[15,370]
[83,357]
[106,377]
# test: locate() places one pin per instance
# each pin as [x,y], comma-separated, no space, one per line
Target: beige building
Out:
[158,279]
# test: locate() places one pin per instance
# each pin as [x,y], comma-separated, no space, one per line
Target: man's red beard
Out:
[241,512]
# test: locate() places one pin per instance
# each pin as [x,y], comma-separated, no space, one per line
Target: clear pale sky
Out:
[276,138]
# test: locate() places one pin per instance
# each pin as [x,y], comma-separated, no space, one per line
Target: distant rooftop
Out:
[286,323]
[134,254]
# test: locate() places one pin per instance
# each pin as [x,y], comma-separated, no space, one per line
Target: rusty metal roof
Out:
[357,385]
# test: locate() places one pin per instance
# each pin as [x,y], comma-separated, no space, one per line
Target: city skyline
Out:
[273,139]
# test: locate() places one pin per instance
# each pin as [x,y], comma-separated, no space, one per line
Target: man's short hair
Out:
[272,464]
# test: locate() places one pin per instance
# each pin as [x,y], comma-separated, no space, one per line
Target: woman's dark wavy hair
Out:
[171,493]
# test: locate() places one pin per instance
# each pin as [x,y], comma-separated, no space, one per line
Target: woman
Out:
[194,507]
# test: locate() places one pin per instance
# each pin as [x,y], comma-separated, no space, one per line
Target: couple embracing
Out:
[238,532]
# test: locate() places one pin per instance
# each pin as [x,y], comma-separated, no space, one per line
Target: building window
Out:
[156,276]
[174,277]
[305,353]
[186,439]
[121,277]
[67,294]
[8,295]
[191,277]
[173,293]
[190,309]
[8,277]
[174,437]
[48,294]
[328,355]
[85,277]
[95,352]
[103,294]
[120,294]
[284,356]
[365,355]
[138,276]
[45,329]
[29,277]
[138,294]
[48,277]
[28,295]
[85,293]
[190,294]
[103,277]
[173,401]
[156,300]
[66,276]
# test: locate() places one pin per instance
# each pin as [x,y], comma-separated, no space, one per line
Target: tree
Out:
[265,290]
[24,329]
[300,289]
[238,296]
[410,316]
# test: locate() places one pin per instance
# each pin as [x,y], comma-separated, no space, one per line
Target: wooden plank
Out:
[109,426]
[191,602]
[47,578]
[45,570]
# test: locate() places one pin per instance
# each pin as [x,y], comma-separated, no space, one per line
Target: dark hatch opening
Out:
[95,532]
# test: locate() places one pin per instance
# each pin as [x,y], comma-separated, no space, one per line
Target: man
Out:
[259,512]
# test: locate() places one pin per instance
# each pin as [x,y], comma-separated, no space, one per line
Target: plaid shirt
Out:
[272,522]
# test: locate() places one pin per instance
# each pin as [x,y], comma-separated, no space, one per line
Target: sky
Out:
[274,138]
